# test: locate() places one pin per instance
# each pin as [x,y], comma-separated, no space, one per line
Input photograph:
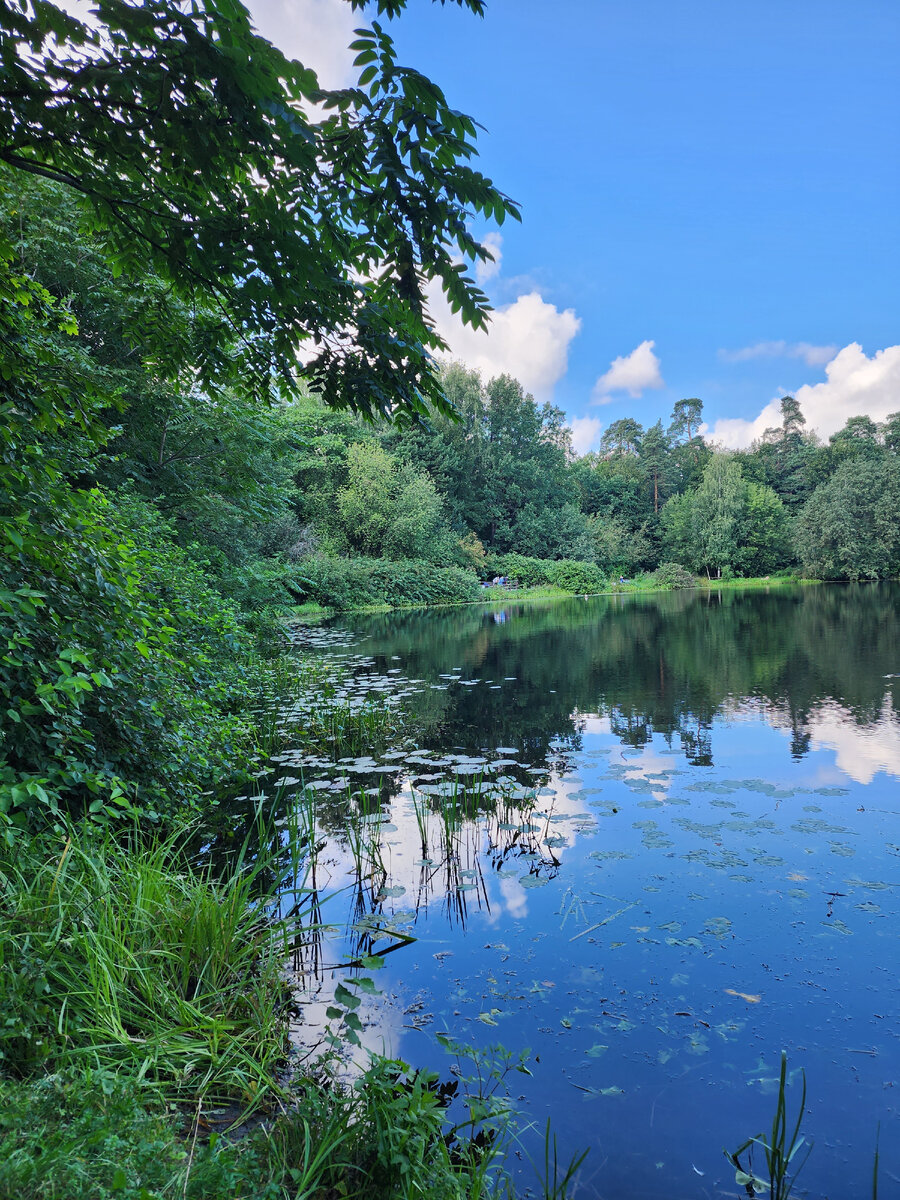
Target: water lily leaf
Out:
[487,1018]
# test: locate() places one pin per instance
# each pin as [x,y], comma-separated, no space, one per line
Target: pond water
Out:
[656,840]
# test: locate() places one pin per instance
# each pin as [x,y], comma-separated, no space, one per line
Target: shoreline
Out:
[312,612]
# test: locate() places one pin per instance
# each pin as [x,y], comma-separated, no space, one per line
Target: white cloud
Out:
[633,373]
[487,270]
[585,432]
[528,339]
[856,385]
[813,356]
[316,32]
[862,751]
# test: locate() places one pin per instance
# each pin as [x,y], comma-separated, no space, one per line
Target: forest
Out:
[174,488]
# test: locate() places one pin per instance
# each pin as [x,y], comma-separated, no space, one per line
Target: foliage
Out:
[778,1148]
[502,468]
[848,528]
[389,510]
[92,1134]
[195,147]
[89,1134]
[121,663]
[214,461]
[346,583]
[124,954]
[571,576]
[727,524]
[673,575]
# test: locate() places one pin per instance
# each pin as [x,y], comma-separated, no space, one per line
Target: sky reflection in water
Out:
[688,860]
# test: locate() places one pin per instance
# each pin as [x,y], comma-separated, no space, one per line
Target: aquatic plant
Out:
[779,1151]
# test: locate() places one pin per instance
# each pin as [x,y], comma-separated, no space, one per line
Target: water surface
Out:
[656,840]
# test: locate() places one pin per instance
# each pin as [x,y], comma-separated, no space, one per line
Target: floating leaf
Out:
[749,997]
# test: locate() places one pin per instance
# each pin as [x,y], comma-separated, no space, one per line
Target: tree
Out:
[687,417]
[193,145]
[890,432]
[848,529]
[765,537]
[655,449]
[857,439]
[388,510]
[703,528]
[690,452]
[621,438]
[505,455]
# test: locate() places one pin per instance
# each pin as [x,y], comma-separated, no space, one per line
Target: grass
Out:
[779,1149]
[122,954]
[95,1135]
[642,584]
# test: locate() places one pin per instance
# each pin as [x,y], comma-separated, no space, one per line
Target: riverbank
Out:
[496,594]
[148,1003]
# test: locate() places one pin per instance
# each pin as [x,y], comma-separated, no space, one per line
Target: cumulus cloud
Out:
[528,339]
[855,385]
[585,433]
[316,32]
[813,356]
[487,270]
[633,373]
[861,751]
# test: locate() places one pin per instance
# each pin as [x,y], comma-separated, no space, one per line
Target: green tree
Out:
[687,417]
[390,510]
[703,528]
[655,459]
[622,437]
[190,140]
[890,433]
[848,529]
[690,452]
[503,467]
[765,531]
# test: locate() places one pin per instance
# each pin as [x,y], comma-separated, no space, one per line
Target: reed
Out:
[128,955]
[779,1149]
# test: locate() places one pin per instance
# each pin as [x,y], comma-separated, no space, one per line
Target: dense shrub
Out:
[577,576]
[125,669]
[565,573]
[122,663]
[357,582]
[673,575]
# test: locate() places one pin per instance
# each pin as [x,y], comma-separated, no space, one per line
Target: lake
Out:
[653,839]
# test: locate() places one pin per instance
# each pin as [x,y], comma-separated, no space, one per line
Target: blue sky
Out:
[722,180]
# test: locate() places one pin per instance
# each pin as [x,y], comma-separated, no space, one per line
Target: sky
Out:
[710,197]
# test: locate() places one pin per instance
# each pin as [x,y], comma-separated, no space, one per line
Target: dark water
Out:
[681,855]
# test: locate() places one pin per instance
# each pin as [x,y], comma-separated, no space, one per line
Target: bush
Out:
[126,666]
[578,576]
[346,583]
[673,575]
[524,571]
[566,573]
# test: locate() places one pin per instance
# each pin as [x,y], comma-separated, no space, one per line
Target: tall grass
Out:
[121,953]
[779,1148]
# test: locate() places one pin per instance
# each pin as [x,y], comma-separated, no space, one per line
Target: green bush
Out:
[673,575]
[125,670]
[122,665]
[565,573]
[578,576]
[346,583]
